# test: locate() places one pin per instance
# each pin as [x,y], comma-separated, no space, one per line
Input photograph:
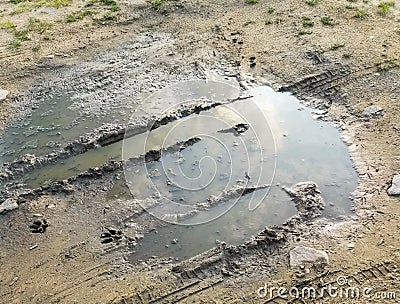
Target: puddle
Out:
[305,148]
[282,146]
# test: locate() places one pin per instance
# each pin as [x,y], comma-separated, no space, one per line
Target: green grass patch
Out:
[7,25]
[38,26]
[252,1]
[307,22]
[312,2]
[360,14]
[336,46]
[383,7]
[78,15]
[28,5]
[109,16]
[326,20]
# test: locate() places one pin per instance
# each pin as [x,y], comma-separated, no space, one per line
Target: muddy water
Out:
[284,145]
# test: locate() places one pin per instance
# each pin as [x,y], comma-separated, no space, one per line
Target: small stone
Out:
[3,94]
[302,255]
[351,246]
[8,205]
[394,190]
[372,111]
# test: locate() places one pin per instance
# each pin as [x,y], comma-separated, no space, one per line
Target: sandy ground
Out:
[355,62]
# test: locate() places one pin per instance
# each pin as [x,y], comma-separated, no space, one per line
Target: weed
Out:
[307,22]
[337,45]
[28,5]
[46,37]
[384,6]
[115,8]
[78,15]
[156,3]
[312,2]
[108,16]
[304,32]
[36,48]
[271,10]
[326,20]
[37,25]
[22,35]
[360,14]
[252,1]
[268,21]
[16,43]
[109,2]
[7,25]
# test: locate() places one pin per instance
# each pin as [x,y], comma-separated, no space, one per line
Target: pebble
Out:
[3,94]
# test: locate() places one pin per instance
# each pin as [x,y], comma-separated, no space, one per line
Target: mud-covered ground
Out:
[341,64]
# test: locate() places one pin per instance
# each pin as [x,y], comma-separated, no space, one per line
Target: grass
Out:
[383,7]
[28,5]
[37,25]
[360,14]
[326,20]
[115,8]
[312,2]
[36,48]
[304,32]
[336,46]
[307,22]
[156,3]
[109,16]
[78,15]
[16,43]
[268,21]
[251,1]
[7,25]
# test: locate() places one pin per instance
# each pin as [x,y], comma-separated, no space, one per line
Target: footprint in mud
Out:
[39,226]
[111,235]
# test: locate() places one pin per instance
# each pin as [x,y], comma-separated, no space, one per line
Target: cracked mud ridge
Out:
[199,152]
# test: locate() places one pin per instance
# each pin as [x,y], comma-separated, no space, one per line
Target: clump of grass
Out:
[115,8]
[337,45]
[271,10]
[109,16]
[384,6]
[46,37]
[37,25]
[307,22]
[326,20]
[16,43]
[36,48]
[109,2]
[28,5]
[268,21]
[251,1]
[78,15]
[21,35]
[7,25]
[304,32]
[360,14]
[312,2]
[156,3]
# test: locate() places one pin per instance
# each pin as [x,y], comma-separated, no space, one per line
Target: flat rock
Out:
[372,111]
[3,94]
[394,190]
[8,205]
[303,256]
